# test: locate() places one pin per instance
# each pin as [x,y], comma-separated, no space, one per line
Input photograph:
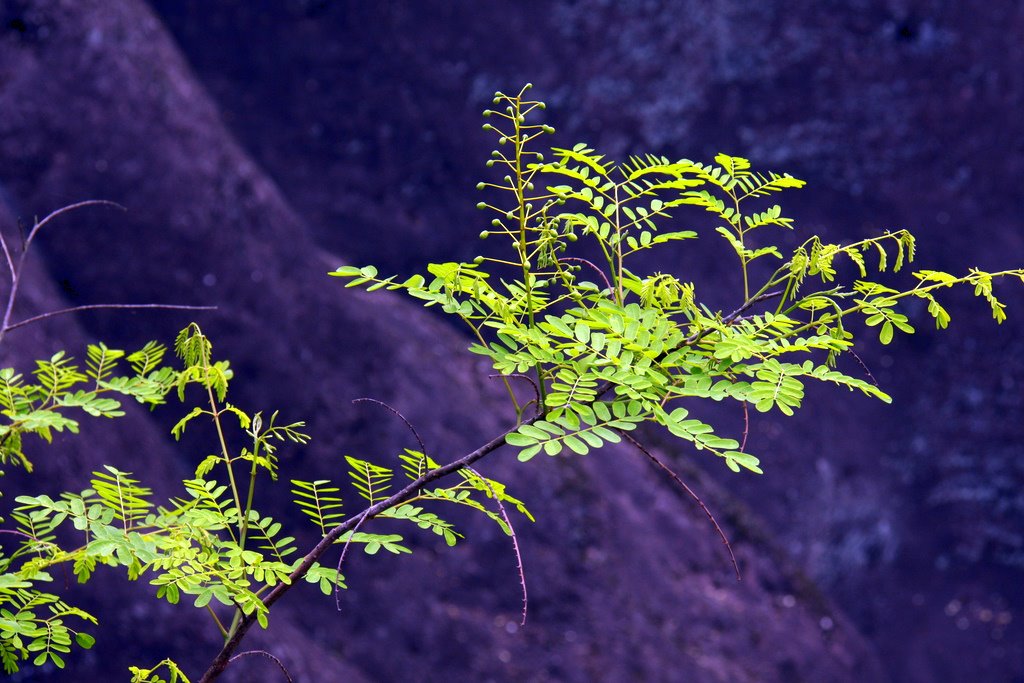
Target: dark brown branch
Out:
[219,662]
[675,477]
[89,307]
[263,653]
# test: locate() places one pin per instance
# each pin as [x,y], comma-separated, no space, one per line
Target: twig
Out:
[532,381]
[18,533]
[7,256]
[746,427]
[341,559]
[863,366]
[16,270]
[515,541]
[88,307]
[263,653]
[382,404]
[729,319]
[653,458]
[65,209]
[348,541]
[585,261]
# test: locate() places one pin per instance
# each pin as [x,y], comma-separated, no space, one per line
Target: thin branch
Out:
[344,549]
[263,653]
[729,319]
[675,477]
[216,620]
[61,211]
[863,366]
[341,559]
[411,490]
[18,533]
[746,426]
[532,381]
[7,256]
[423,450]
[382,404]
[584,261]
[88,307]
[515,541]
[17,270]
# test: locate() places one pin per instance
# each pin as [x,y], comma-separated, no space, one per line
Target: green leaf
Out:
[885,333]
[528,452]
[576,445]
[518,439]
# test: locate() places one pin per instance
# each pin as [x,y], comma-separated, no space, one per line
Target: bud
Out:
[481,205]
[484,235]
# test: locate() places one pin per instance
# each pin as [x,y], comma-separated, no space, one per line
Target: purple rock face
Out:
[257,148]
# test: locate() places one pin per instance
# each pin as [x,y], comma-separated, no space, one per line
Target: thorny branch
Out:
[263,653]
[675,477]
[222,659]
[494,494]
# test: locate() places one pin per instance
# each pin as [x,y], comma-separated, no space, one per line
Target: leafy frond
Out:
[371,481]
[101,360]
[122,494]
[318,500]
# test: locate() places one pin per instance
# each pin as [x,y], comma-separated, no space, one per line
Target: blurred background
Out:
[259,145]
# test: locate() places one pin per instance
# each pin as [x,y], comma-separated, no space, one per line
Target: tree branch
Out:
[263,653]
[222,659]
[89,307]
[729,319]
